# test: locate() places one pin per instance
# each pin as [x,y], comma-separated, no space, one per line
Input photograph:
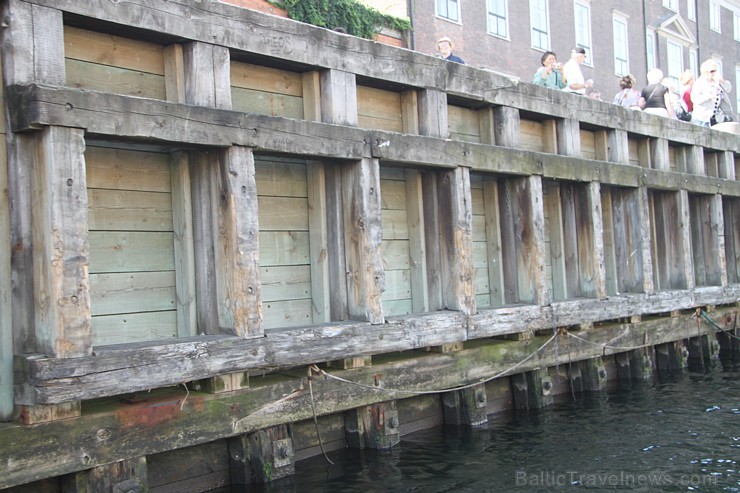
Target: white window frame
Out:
[675,63]
[715,17]
[447,3]
[650,51]
[737,84]
[583,39]
[691,10]
[497,16]
[541,34]
[736,24]
[694,63]
[671,5]
[619,19]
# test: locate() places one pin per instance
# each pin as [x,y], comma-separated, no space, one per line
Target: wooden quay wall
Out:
[201,201]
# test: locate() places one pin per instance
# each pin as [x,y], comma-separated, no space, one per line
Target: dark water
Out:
[681,434]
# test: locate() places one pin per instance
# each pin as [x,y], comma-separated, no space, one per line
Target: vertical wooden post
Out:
[338,97]
[718,228]
[601,145]
[684,221]
[659,155]
[337,263]
[670,357]
[646,240]
[507,126]
[311,95]
[531,390]
[61,283]
[618,146]
[319,242]
[207,75]
[417,241]
[598,268]
[551,202]
[410,111]
[128,476]
[550,136]
[174,73]
[642,362]
[467,407]
[363,237]
[433,119]
[537,267]
[594,374]
[182,220]
[456,240]
[494,242]
[263,456]
[6,306]
[237,244]
[726,165]
[695,160]
[374,426]
[430,188]
[569,137]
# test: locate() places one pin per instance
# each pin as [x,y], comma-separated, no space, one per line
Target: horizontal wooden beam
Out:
[119,369]
[139,119]
[122,430]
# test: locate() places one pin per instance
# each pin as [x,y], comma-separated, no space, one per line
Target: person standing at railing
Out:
[708,95]
[574,79]
[551,73]
[445,46]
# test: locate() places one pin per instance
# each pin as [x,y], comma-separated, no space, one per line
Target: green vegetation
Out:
[354,17]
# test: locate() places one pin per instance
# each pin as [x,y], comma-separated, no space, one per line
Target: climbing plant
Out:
[354,17]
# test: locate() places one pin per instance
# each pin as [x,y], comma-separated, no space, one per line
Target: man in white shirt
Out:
[572,72]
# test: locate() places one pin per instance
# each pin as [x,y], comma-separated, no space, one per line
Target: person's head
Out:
[709,69]
[627,82]
[444,45]
[654,76]
[578,54]
[548,58]
[686,78]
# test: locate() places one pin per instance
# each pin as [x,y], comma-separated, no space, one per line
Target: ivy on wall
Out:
[352,16]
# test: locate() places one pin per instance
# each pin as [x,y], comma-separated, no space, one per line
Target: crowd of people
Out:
[703,101]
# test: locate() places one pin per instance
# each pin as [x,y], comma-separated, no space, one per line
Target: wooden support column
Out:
[174,73]
[717,219]
[598,268]
[61,248]
[702,355]
[594,374]
[311,82]
[410,111]
[576,382]
[318,242]
[262,456]
[433,119]
[467,407]
[182,221]
[684,251]
[6,313]
[659,155]
[670,358]
[207,75]
[337,263]
[507,126]
[417,241]
[622,363]
[338,97]
[456,241]
[726,165]
[695,160]
[646,241]
[531,390]
[618,146]
[374,426]
[569,137]
[129,476]
[237,244]
[537,265]
[642,363]
[363,236]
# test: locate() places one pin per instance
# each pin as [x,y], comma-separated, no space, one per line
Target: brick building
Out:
[626,36]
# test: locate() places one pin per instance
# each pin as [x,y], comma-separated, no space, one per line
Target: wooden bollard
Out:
[126,475]
[531,390]
[374,426]
[594,375]
[262,456]
[467,407]
[670,358]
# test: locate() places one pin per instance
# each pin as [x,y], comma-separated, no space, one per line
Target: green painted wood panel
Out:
[283,213]
[119,329]
[395,224]
[286,313]
[128,292]
[120,169]
[395,254]
[265,103]
[87,75]
[285,282]
[116,210]
[464,124]
[379,109]
[284,248]
[131,251]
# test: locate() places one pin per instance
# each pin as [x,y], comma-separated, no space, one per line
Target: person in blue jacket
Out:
[444,46]
[551,73]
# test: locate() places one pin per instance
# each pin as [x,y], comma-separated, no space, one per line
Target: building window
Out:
[737,84]
[650,49]
[691,10]
[675,61]
[737,26]
[714,17]
[671,4]
[539,19]
[449,9]
[693,65]
[583,28]
[498,18]
[621,47]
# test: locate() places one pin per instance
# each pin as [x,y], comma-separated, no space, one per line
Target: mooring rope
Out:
[315,418]
[728,333]
[607,345]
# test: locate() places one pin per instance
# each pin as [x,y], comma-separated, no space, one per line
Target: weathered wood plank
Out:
[379,109]
[283,213]
[61,285]
[86,75]
[284,248]
[417,241]
[184,254]
[132,292]
[266,79]
[123,328]
[120,210]
[311,95]
[207,75]
[280,283]
[263,103]
[433,119]
[279,177]
[319,242]
[127,170]
[6,307]
[464,124]
[339,98]
[130,251]
[114,51]
[493,242]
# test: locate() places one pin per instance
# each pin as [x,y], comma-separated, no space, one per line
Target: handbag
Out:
[682,114]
